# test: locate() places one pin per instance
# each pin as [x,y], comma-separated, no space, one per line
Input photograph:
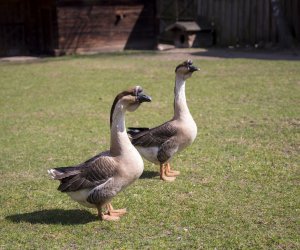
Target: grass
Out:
[239,187]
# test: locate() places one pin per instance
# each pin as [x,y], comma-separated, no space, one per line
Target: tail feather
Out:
[61,173]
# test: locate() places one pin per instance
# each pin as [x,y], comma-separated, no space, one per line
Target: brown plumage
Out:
[159,144]
[96,181]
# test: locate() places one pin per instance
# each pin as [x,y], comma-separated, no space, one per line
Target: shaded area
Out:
[27,27]
[149,174]
[54,216]
[249,54]
[143,33]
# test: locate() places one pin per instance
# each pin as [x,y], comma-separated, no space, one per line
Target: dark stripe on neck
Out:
[118,97]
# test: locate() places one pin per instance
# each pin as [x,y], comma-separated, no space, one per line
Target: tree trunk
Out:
[284,33]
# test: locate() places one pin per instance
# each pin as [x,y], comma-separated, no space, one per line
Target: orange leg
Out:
[163,175]
[115,212]
[107,217]
[170,172]
[111,214]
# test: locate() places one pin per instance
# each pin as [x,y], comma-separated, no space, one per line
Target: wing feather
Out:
[89,174]
[155,136]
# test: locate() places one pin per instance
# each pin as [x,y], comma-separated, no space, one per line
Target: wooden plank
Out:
[234,22]
[204,7]
[295,18]
[253,19]
[273,28]
[209,8]
[296,15]
[241,23]
[247,22]
[218,21]
[259,23]
[212,14]
[222,14]
[228,27]
[266,22]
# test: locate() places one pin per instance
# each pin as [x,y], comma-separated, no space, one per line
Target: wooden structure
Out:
[248,22]
[169,13]
[74,26]
[230,22]
[85,26]
[27,26]
[184,33]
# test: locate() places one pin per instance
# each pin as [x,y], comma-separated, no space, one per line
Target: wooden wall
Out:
[27,27]
[71,26]
[12,27]
[105,25]
[248,22]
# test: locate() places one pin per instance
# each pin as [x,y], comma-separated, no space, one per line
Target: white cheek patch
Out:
[138,89]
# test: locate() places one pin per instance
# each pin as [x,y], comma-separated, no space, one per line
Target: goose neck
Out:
[180,106]
[119,141]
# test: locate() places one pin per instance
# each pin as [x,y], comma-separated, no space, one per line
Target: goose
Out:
[159,144]
[96,181]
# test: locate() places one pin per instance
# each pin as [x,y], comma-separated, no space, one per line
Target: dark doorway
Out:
[12,28]
[27,27]
[47,34]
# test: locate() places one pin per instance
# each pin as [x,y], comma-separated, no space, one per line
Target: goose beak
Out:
[143,98]
[193,68]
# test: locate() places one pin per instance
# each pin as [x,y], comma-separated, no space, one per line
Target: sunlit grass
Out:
[239,183]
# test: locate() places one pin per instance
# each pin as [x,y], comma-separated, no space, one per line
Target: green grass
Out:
[239,187]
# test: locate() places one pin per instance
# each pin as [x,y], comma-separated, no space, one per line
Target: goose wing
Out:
[155,136]
[92,173]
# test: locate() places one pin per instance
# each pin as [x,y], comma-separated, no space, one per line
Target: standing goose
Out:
[95,182]
[159,144]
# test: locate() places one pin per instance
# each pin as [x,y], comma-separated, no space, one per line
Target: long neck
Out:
[181,109]
[119,141]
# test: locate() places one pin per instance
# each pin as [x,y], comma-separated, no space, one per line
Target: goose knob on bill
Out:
[159,144]
[95,182]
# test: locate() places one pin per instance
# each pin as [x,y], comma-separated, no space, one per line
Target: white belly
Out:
[80,196]
[150,153]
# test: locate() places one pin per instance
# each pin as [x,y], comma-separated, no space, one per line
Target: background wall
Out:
[248,22]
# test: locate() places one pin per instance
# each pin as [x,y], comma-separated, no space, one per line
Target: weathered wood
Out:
[248,22]
[284,33]
[234,23]
[265,35]
[33,26]
[240,24]
[90,26]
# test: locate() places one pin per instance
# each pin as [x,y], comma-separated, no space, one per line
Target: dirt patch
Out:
[205,54]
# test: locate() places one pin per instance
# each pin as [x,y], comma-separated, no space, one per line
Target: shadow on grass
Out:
[149,174]
[54,216]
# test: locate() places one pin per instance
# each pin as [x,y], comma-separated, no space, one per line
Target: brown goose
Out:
[159,144]
[95,182]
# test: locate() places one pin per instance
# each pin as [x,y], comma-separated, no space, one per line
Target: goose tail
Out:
[61,173]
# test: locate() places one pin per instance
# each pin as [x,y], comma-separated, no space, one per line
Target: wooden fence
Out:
[248,22]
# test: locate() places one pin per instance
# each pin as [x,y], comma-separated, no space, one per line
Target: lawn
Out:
[239,182]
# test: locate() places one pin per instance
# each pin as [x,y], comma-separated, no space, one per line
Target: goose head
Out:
[186,69]
[130,100]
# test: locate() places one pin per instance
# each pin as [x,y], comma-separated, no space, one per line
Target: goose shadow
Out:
[54,216]
[149,174]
